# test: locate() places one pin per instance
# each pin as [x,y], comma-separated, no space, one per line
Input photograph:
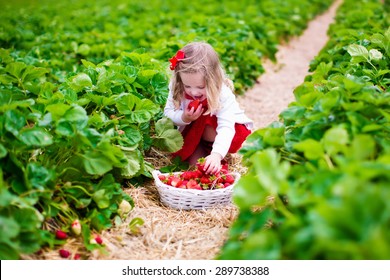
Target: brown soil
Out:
[171,234]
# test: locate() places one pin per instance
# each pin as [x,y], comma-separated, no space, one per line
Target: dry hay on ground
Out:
[166,233]
[169,233]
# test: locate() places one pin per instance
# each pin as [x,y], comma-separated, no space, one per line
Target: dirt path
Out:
[274,90]
[169,234]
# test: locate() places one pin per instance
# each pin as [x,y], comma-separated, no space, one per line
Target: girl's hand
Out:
[190,115]
[212,164]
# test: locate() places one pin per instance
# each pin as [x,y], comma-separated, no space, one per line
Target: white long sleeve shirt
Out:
[228,115]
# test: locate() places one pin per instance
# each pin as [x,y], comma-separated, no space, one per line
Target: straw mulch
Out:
[168,233]
[165,234]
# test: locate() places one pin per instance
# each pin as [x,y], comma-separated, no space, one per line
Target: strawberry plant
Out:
[317,181]
[61,151]
[242,34]
[81,101]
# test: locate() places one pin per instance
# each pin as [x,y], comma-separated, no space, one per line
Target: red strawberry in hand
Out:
[194,104]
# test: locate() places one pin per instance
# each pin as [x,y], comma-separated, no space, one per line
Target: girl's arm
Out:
[226,121]
[225,132]
[175,114]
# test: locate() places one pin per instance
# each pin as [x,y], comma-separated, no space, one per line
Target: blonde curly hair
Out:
[200,57]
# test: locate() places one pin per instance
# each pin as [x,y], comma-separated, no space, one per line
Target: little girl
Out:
[217,126]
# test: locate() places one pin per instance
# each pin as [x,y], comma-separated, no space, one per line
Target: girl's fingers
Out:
[212,169]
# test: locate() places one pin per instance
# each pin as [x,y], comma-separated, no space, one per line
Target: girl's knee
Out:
[209,133]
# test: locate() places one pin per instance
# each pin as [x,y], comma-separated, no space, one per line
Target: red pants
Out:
[193,132]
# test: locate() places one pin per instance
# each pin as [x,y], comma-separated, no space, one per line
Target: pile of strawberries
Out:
[198,180]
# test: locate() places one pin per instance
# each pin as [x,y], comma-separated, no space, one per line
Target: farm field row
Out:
[317,185]
[82,86]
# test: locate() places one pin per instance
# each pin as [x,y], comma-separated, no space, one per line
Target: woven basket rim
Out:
[190,199]
[160,184]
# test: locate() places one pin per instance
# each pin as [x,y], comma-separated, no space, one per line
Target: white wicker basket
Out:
[193,199]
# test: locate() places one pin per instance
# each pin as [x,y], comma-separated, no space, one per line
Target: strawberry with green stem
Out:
[200,164]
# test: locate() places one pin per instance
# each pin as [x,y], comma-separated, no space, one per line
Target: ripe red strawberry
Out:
[183,185]
[64,253]
[229,179]
[187,175]
[205,180]
[200,164]
[194,104]
[162,178]
[198,174]
[192,184]
[76,257]
[219,186]
[169,179]
[97,240]
[176,182]
[61,235]
[221,178]
[225,168]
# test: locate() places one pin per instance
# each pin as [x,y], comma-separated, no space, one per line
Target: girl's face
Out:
[194,85]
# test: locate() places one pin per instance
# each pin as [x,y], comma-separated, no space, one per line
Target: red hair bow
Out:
[176,58]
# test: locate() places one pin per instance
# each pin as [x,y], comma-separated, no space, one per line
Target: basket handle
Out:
[155,174]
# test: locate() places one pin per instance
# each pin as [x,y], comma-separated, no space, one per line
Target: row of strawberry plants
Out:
[317,183]
[79,108]
[65,148]
[242,33]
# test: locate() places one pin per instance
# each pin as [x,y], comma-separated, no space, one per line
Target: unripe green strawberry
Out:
[76,227]
[124,208]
